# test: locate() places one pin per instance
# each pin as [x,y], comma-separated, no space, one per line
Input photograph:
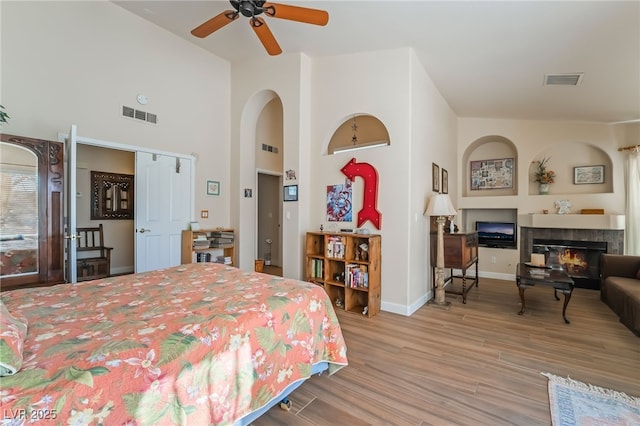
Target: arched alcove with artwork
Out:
[579,168]
[489,167]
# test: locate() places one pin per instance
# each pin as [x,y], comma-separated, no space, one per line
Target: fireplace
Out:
[581,259]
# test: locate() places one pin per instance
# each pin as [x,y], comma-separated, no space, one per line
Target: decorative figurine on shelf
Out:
[339,303]
[563,206]
[364,252]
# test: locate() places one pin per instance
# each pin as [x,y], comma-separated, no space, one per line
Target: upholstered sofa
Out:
[620,287]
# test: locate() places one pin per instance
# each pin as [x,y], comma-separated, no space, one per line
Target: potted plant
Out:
[544,176]
[3,115]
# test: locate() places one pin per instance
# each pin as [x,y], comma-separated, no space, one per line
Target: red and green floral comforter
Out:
[196,344]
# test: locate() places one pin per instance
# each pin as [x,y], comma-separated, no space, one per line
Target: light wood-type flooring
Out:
[474,364]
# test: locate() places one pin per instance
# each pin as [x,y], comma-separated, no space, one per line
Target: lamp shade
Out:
[440,205]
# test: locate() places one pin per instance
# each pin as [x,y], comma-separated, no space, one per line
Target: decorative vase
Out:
[543,188]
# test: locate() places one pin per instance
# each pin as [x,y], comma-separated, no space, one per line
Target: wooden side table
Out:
[460,252]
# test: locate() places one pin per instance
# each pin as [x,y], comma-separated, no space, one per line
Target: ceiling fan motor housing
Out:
[248,8]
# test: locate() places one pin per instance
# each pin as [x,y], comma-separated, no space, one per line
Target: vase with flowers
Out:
[544,176]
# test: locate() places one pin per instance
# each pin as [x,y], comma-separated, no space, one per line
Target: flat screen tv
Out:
[496,234]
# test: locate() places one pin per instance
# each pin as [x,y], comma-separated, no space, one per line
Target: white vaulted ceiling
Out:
[488,58]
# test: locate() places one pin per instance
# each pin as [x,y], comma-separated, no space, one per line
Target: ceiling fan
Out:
[251,9]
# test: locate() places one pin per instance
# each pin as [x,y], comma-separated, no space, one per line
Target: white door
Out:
[164,194]
[71,272]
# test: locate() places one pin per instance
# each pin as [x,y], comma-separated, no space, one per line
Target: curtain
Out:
[632,210]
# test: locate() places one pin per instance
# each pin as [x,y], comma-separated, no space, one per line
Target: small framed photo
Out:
[588,174]
[291,193]
[213,187]
[435,177]
[445,181]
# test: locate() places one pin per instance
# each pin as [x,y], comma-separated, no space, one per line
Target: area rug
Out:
[581,404]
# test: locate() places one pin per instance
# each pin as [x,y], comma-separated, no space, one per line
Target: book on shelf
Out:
[219,240]
[317,268]
[222,234]
[335,247]
[224,260]
[356,275]
[200,243]
[203,257]
[214,244]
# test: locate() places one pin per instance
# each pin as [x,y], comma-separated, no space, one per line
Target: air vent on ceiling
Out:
[139,115]
[573,79]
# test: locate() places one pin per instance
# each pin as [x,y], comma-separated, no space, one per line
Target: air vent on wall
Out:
[269,148]
[573,79]
[139,115]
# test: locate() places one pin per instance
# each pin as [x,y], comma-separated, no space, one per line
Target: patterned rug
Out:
[576,403]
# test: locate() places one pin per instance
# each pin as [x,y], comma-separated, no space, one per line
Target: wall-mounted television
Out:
[496,234]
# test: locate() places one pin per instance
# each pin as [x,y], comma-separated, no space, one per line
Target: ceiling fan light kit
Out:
[251,9]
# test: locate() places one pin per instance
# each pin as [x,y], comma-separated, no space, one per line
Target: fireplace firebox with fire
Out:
[580,259]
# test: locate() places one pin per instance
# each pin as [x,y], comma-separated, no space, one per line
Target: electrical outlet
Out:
[204,214]
[493,259]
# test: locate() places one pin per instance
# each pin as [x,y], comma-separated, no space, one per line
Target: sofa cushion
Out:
[623,297]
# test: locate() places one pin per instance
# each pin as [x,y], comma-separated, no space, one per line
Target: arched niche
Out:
[563,159]
[489,148]
[359,131]
[269,136]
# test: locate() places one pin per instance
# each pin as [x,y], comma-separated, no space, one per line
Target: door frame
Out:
[83,140]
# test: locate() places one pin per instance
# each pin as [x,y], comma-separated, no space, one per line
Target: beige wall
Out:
[77,63]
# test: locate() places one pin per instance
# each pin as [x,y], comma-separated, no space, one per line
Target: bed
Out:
[196,344]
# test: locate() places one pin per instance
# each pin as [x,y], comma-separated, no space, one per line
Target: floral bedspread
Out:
[195,344]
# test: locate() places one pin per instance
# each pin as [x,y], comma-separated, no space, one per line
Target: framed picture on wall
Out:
[290,193]
[112,196]
[491,174]
[435,177]
[588,174]
[445,181]
[213,187]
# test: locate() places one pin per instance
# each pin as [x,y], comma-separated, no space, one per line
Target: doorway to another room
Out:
[269,218]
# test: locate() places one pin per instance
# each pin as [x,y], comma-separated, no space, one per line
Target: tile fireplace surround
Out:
[574,227]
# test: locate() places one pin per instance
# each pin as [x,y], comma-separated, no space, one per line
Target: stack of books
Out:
[221,239]
[226,260]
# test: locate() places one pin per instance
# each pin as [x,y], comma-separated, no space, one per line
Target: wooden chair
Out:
[94,259]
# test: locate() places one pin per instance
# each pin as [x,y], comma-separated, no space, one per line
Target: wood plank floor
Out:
[474,364]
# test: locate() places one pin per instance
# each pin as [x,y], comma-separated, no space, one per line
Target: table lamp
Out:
[441,207]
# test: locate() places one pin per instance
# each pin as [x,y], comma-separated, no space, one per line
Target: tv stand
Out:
[460,252]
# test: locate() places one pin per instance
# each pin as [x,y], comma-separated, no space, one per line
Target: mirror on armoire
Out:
[31,212]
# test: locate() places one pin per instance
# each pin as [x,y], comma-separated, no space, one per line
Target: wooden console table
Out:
[460,252]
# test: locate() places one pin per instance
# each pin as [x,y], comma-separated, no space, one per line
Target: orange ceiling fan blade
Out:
[215,23]
[266,36]
[297,13]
